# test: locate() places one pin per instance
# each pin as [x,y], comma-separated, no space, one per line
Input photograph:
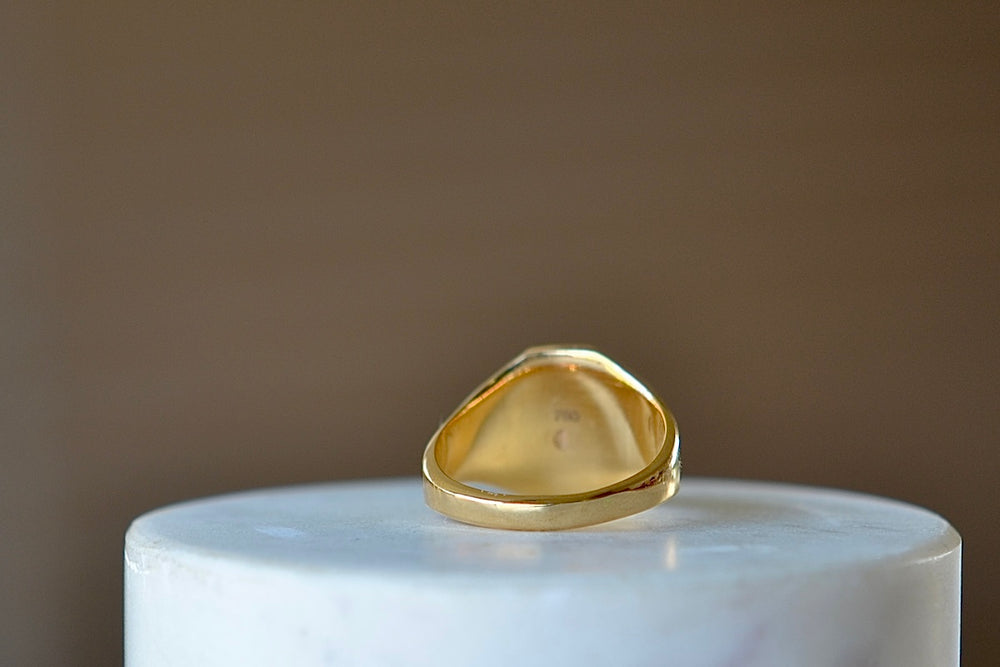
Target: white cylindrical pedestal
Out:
[727,573]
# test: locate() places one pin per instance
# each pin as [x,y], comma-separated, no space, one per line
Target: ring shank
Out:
[549,514]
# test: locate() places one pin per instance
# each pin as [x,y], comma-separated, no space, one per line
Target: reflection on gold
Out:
[552,430]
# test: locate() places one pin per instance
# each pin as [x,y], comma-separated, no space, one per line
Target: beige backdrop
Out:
[255,247]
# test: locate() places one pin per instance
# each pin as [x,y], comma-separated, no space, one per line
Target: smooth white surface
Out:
[727,573]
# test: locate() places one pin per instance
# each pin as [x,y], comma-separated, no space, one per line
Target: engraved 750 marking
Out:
[567,415]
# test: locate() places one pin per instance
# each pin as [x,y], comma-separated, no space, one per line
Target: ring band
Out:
[561,437]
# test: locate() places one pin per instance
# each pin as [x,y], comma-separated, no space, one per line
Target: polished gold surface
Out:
[559,438]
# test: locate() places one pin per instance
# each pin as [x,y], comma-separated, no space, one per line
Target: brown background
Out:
[248,247]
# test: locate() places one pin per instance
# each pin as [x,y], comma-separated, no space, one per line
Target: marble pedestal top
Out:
[363,573]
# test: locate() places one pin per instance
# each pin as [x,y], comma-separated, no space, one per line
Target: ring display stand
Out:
[363,573]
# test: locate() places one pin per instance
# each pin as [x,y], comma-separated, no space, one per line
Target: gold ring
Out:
[561,437]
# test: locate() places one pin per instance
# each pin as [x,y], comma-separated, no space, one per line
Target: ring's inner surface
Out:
[553,429]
